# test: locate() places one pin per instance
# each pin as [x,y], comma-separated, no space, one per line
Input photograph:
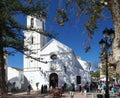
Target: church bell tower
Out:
[34,40]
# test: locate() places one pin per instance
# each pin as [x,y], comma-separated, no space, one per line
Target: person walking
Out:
[72,90]
[103,87]
[62,87]
[113,90]
[28,89]
[82,88]
[98,88]
[79,87]
[42,89]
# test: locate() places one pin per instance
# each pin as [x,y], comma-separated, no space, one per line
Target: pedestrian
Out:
[98,88]
[113,90]
[65,86]
[46,88]
[62,88]
[87,87]
[28,89]
[82,88]
[50,89]
[71,90]
[79,87]
[42,89]
[103,87]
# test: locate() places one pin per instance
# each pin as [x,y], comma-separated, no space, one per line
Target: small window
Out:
[65,69]
[32,22]
[32,40]
[43,27]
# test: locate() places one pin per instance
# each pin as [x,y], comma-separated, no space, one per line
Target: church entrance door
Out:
[53,80]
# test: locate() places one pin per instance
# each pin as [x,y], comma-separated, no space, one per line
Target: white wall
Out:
[15,76]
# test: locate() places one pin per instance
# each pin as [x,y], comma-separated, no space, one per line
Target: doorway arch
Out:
[53,80]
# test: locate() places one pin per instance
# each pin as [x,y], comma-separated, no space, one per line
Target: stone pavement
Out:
[67,95]
[34,95]
[76,95]
[64,95]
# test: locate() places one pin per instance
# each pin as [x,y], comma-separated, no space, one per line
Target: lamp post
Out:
[106,44]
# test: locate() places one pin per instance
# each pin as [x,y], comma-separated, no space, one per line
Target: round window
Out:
[53,56]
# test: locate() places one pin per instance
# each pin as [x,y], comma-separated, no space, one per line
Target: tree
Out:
[96,9]
[96,74]
[10,28]
[93,11]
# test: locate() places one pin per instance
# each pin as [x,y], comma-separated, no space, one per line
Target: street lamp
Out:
[105,44]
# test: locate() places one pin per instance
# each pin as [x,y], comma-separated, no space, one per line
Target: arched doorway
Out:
[53,80]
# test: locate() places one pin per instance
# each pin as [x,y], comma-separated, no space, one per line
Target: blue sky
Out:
[71,34]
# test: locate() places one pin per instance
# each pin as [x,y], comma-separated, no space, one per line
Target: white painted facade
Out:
[15,77]
[86,70]
[64,69]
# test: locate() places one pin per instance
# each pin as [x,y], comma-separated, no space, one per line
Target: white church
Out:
[50,63]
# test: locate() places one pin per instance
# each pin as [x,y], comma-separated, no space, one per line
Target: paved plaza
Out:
[64,95]
[67,95]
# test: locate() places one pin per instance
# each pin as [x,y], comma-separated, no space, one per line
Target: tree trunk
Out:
[2,67]
[115,9]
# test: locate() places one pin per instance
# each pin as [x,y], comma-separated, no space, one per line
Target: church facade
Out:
[50,63]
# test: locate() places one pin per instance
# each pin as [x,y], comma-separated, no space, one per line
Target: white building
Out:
[15,78]
[51,63]
[86,70]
